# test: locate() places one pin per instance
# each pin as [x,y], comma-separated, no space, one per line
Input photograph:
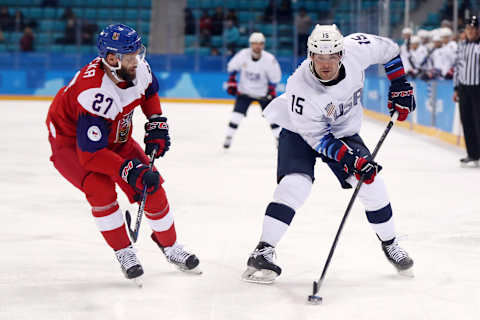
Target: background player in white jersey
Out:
[414,58]
[435,61]
[321,115]
[449,50]
[405,47]
[259,74]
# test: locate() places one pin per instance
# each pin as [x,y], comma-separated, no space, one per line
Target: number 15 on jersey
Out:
[297,106]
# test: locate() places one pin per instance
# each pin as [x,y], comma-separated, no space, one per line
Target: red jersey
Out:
[95,114]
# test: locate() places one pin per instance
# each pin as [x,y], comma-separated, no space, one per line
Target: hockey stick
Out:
[314,298]
[128,218]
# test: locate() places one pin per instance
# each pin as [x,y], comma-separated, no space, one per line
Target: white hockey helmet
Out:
[407,31]
[436,34]
[445,32]
[325,39]
[423,34]
[256,37]
[415,39]
[436,37]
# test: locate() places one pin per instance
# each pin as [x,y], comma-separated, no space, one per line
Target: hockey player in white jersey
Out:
[449,51]
[321,115]
[259,73]
[405,47]
[416,56]
[436,64]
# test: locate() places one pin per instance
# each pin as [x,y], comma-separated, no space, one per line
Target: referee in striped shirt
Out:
[467,90]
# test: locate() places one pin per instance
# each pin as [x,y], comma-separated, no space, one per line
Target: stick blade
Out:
[128,220]
[314,298]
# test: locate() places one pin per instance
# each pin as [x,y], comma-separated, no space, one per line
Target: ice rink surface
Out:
[55,265]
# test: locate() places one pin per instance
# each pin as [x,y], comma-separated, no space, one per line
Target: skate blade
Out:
[470,165]
[262,276]
[138,282]
[406,273]
[196,270]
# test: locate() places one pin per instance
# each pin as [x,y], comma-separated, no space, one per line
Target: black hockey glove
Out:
[138,175]
[401,98]
[156,136]
[359,166]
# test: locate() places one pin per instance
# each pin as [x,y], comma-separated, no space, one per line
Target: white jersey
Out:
[314,110]
[255,75]
[404,49]
[406,58]
[419,55]
[450,55]
[443,59]
[121,98]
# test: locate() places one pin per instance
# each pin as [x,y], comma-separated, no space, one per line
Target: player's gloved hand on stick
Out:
[232,84]
[138,175]
[353,163]
[401,98]
[156,136]
[271,94]
[367,169]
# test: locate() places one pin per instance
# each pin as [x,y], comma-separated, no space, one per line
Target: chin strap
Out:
[113,69]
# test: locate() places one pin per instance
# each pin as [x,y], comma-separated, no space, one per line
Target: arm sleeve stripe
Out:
[341,153]
[396,74]
[394,68]
[392,62]
[331,147]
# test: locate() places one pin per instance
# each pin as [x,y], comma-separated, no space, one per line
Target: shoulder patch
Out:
[92,132]
[99,102]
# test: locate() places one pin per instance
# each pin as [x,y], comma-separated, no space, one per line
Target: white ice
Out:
[54,264]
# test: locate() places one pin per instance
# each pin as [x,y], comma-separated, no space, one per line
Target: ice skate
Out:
[260,265]
[399,258]
[469,163]
[228,142]
[131,267]
[183,260]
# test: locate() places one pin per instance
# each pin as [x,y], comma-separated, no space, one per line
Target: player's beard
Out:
[125,75]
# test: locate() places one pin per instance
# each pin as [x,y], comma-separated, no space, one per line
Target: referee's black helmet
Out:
[473,21]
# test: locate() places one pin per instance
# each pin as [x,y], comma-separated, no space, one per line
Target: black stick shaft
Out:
[141,208]
[350,204]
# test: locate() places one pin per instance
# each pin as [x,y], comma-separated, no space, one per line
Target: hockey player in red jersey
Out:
[90,128]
